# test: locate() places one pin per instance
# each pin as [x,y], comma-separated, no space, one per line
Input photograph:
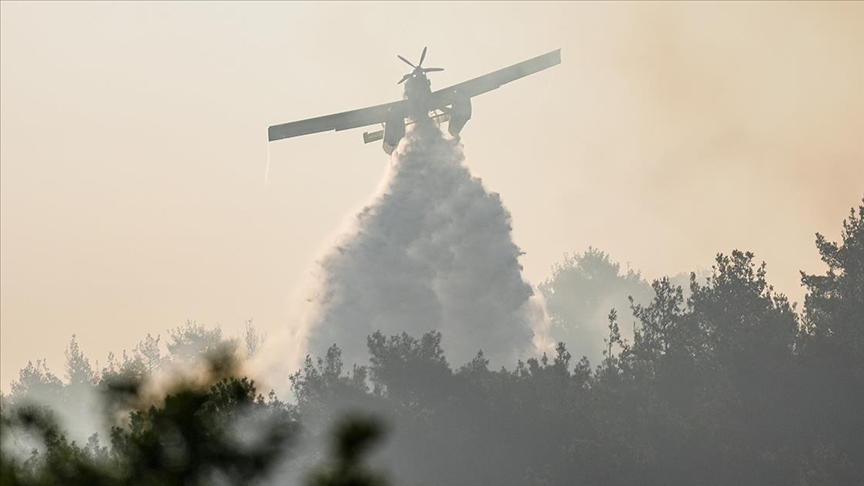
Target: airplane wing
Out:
[338,121]
[440,100]
[495,79]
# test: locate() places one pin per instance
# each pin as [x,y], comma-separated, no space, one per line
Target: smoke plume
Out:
[432,252]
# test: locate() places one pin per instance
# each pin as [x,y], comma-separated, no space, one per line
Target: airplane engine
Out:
[394,130]
[459,115]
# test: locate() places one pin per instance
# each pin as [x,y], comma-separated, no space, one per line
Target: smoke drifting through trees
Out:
[580,293]
[433,252]
[730,385]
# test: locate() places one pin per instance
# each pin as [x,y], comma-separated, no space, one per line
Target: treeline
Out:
[719,381]
[182,418]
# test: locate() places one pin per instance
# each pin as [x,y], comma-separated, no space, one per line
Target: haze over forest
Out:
[721,383]
[132,194]
[570,293]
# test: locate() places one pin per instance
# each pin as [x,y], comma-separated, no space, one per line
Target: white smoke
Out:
[432,252]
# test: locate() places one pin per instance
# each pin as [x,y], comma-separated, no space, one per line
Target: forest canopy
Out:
[719,380]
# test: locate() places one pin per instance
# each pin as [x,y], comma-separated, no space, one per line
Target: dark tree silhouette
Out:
[721,383]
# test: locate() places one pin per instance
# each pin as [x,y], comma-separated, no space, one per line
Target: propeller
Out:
[406,61]
[418,69]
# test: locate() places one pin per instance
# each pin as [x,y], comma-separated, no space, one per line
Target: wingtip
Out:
[271,134]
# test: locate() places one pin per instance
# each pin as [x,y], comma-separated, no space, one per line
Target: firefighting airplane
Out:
[419,102]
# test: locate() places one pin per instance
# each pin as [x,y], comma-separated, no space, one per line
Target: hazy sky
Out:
[133,146]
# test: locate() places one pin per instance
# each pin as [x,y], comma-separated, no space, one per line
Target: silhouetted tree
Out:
[832,352]
[148,352]
[192,340]
[353,435]
[35,382]
[252,338]
[78,369]
[580,293]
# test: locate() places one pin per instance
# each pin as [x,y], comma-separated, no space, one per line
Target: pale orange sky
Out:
[133,146]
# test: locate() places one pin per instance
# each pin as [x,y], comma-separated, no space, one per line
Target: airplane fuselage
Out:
[417,94]
[418,104]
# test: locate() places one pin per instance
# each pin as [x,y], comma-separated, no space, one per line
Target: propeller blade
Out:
[404,78]
[422,56]
[406,61]
[432,70]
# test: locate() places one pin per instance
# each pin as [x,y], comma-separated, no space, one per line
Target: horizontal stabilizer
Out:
[373,136]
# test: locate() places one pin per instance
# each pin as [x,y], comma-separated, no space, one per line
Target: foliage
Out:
[192,340]
[220,431]
[581,292]
[720,383]
[352,437]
